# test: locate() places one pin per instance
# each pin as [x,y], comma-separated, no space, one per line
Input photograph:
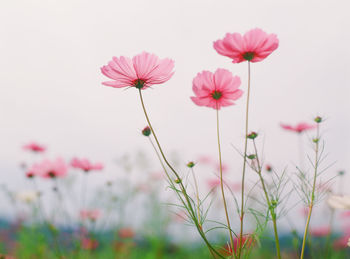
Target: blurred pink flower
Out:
[35,147]
[48,169]
[216,90]
[236,187]
[85,165]
[320,231]
[205,159]
[213,183]
[224,167]
[89,243]
[92,215]
[299,128]
[342,242]
[253,46]
[141,72]
[345,215]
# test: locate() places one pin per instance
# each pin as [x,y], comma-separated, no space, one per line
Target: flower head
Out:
[48,169]
[85,165]
[35,147]
[299,128]
[253,46]
[217,89]
[142,71]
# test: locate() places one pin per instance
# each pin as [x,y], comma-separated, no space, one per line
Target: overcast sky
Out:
[50,81]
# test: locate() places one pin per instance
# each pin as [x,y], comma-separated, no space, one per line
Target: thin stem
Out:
[270,205]
[197,196]
[159,158]
[317,140]
[221,179]
[183,190]
[244,164]
[329,236]
[301,152]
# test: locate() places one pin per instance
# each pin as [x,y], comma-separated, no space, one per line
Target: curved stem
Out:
[311,204]
[244,164]
[221,179]
[183,190]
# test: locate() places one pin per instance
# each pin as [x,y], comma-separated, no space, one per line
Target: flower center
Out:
[139,83]
[216,95]
[248,56]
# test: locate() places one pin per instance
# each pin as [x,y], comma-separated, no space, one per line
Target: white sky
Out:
[51,92]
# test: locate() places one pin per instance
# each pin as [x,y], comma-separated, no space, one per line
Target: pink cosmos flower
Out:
[49,169]
[85,165]
[299,128]
[253,46]
[92,215]
[141,72]
[216,90]
[35,147]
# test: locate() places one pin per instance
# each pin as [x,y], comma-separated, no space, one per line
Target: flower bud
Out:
[177,180]
[268,168]
[252,156]
[190,164]
[252,135]
[318,119]
[146,131]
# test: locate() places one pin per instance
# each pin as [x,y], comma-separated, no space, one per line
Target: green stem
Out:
[270,205]
[222,181]
[183,190]
[197,196]
[244,165]
[311,204]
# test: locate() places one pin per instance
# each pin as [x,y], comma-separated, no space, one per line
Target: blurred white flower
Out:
[349,242]
[339,202]
[27,196]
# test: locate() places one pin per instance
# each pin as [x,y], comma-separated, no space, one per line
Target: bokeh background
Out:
[51,92]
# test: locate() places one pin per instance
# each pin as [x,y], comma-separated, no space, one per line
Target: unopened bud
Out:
[318,119]
[190,164]
[252,156]
[268,168]
[146,131]
[177,180]
[252,135]
[341,173]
